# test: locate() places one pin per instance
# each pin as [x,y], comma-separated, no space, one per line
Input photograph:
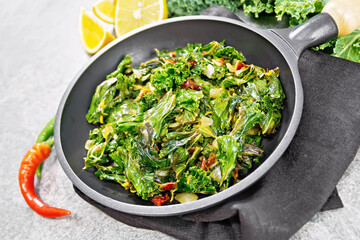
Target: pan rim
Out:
[179,209]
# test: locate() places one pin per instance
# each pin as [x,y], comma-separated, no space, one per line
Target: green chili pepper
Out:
[44,135]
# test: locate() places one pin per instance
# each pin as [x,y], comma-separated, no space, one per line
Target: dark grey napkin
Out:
[302,182]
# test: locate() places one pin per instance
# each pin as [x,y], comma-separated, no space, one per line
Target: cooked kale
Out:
[191,120]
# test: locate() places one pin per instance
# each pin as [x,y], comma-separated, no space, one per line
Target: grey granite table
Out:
[40,53]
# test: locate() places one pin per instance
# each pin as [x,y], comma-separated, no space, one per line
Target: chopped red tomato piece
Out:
[160,200]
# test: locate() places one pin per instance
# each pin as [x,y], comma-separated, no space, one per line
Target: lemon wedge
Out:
[93,35]
[105,10]
[135,13]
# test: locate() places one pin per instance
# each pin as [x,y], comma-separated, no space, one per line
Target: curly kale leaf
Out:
[298,10]
[257,6]
[170,75]
[162,80]
[194,7]
[196,180]
[188,99]
[124,86]
[149,100]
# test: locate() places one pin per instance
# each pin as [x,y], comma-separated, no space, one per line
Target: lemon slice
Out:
[105,10]
[135,13]
[92,34]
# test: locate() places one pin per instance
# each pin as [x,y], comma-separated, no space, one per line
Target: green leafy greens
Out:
[297,12]
[189,121]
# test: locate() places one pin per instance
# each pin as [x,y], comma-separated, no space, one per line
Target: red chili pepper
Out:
[168,186]
[30,162]
[160,200]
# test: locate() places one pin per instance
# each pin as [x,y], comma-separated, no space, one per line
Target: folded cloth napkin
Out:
[301,182]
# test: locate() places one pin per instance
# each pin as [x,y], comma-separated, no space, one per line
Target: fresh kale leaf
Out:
[102,101]
[257,6]
[196,180]
[194,7]
[298,10]
[348,47]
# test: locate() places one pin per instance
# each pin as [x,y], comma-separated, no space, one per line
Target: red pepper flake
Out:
[211,159]
[168,186]
[203,163]
[190,84]
[196,87]
[206,164]
[192,62]
[239,65]
[235,172]
[160,200]
[172,54]
[191,150]
[185,85]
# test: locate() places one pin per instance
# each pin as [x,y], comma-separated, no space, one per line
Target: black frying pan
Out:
[266,48]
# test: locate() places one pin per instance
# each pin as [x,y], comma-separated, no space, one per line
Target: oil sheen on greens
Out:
[190,120]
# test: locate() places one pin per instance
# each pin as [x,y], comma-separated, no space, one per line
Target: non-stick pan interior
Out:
[74,129]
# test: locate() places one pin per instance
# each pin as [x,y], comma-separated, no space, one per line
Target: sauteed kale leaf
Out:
[190,121]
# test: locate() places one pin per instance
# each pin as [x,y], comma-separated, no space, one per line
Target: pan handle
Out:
[338,18]
[346,14]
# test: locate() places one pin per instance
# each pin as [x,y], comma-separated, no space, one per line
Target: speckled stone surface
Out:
[40,53]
